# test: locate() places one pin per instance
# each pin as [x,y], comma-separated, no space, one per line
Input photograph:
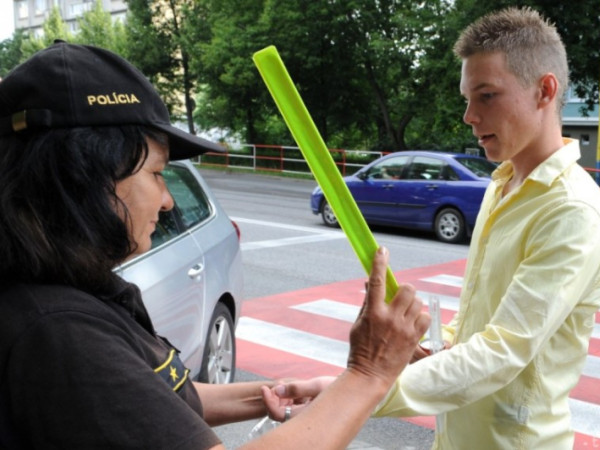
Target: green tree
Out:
[579,27]
[54,28]
[10,52]
[389,39]
[159,47]
[350,59]
[96,28]
[226,33]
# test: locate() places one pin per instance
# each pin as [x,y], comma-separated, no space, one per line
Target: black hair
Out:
[58,208]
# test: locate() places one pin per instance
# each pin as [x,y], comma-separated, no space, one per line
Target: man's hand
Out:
[295,394]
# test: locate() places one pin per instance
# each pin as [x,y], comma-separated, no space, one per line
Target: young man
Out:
[532,285]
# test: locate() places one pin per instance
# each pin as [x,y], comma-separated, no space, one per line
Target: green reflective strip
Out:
[319,160]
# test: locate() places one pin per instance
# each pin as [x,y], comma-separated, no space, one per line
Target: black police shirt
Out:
[83,371]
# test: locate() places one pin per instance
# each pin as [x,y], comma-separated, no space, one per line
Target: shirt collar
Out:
[128,296]
[548,170]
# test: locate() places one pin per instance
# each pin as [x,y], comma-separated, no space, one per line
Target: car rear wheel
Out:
[218,362]
[449,226]
[328,216]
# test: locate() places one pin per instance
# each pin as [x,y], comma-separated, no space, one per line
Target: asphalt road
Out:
[272,211]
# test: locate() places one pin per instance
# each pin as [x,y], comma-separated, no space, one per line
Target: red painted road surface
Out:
[322,337]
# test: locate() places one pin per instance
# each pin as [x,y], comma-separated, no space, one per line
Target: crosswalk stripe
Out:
[331,309]
[289,241]
[584,417]
[446,280]
[592,368]
[307,345]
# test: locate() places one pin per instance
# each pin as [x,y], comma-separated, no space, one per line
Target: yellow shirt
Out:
[530,292]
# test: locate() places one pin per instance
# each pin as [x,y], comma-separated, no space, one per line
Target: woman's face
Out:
[145,194]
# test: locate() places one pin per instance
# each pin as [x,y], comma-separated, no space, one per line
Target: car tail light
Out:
[237,230]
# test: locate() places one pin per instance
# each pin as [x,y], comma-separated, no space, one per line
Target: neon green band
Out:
[319,160]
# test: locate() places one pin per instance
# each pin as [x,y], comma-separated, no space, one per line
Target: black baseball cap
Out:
[68,86]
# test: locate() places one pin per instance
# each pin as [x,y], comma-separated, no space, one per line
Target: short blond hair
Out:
[531,44]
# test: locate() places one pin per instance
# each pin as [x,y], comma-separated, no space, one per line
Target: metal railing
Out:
[289,159]
[284,159]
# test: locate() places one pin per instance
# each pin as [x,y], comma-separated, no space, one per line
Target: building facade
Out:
[30,15]
[583,127]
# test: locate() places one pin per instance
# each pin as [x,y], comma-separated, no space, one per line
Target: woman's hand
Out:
[381,327]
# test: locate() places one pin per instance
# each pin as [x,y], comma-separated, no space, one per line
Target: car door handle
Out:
[195,273]
[432,186]
[388,186]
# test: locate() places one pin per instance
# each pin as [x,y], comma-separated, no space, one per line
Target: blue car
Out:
[423,190]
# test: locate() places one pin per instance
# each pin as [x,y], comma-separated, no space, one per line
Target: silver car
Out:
[191,279]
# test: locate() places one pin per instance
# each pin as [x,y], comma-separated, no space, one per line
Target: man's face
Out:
[504,115]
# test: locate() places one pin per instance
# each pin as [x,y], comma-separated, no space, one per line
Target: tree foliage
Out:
[96,28]
[374,74]
[10,52]
[54,28]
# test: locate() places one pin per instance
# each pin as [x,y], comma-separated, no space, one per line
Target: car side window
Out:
[389,169]
[424,168]
[166,228]
[190,200]
[191,205]
[449,174]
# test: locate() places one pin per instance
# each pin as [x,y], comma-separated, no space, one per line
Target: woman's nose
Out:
[167,200]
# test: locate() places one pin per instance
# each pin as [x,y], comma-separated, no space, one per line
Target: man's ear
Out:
[548,88]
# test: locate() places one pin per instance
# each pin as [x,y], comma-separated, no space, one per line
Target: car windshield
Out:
[479,166]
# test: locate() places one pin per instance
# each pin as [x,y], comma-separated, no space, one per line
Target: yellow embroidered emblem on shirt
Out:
[173,371]
[173,374]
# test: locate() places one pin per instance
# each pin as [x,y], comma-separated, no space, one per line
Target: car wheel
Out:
[218,362]
[449,225]
[328,216]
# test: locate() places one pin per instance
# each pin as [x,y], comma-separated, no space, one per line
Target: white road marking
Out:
[286,226]
[317,235]
[300,343]
[447,280]
[584,417]
[287,241]
[331,309]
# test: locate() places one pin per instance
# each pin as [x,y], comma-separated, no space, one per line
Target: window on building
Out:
[572,96]
[585,139]
[40,7]
[77,9]
[22,9]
